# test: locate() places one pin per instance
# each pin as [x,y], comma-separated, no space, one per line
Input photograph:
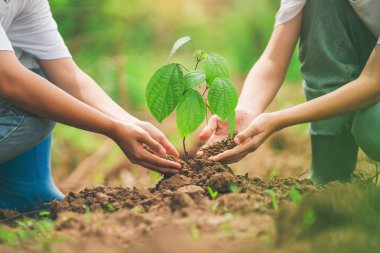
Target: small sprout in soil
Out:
[88,215]
[28,230]
[226,231]
[195,233]
[171,89]
[295,195]
[110,208]
[274,198]
[137,209]
[235,188]
[267,239]
[213,194]
[214,207]
[309,217]
[273,173]
[44,214]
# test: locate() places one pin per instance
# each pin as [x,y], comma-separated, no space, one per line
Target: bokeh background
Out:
[120,43]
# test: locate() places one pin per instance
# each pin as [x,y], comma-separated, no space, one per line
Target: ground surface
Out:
[207,208]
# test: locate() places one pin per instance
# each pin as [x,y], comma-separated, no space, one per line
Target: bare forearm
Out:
[261,86]
[65,74]
[268,74]
[356,95]
[40,97]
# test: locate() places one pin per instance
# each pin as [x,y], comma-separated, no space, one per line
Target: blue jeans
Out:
[20,130]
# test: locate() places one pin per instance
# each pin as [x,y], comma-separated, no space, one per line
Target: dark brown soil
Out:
[189,186]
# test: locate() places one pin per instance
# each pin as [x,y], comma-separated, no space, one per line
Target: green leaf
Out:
[295,195]
[215,66]
[164,90]
[44,213]
[191,112]
[200,55]
[213,194]
[232,123]
[193,79]
[309,217]
[179,43]
[222,97]
[274,198]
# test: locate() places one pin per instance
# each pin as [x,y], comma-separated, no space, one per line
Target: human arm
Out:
[68,76]
[39,96]
[358,94]
[262,82]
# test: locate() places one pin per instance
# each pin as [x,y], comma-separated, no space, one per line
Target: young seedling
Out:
[44,214]
[295,195]
[274,198]
[235,188]
[171,89]
[226,231]
[111,208]
[309,217]
[213,194]
[195,233]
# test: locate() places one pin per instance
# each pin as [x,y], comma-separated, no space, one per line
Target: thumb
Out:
[208,130]
[246,134]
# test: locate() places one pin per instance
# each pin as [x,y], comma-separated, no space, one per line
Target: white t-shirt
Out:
[27,27]
[367,10]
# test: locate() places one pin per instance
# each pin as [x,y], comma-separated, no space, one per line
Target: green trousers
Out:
[334,156]
[334,48]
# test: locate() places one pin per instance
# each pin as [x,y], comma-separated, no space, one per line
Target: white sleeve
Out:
[5,44]
[288,10]
[368,11]
[35,32]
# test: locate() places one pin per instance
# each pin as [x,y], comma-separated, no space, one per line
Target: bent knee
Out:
[21,132]
[37,129]
[366,130]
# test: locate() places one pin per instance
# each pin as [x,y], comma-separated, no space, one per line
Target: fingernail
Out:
[237,141]
[211,158]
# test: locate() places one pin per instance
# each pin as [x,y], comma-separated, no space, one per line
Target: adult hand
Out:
[217,130]
[131,137]
[250,138]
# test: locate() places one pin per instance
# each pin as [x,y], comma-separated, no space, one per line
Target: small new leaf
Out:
[295,195]
[200,55]
[215,66]
[191,112]
[179,43]
[213,194]
[223,97]
[193,79]
[274,198]
[164,90]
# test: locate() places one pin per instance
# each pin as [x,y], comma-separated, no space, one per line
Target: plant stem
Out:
[196,65]
[204,92]
[206,114]
[184,68]
[185,150]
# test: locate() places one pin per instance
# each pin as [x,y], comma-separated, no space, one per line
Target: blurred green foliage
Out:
[99,32]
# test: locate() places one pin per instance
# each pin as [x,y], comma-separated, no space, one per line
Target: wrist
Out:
[279,120]
[114,129]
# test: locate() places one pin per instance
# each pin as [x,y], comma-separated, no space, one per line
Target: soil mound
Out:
[188,188]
